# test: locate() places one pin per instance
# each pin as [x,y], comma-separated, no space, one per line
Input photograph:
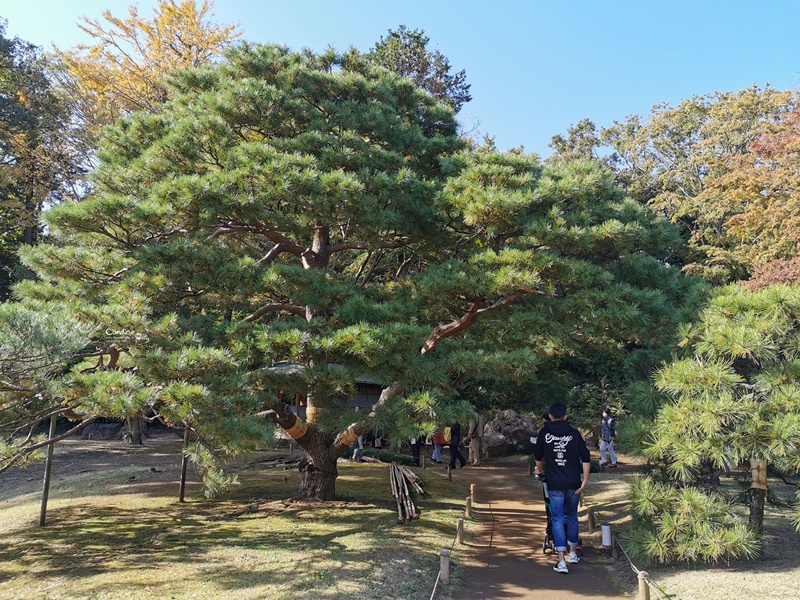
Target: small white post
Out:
[605,535]
[468,508]
[472,492]
[444,565]
[460,530]
[644,588]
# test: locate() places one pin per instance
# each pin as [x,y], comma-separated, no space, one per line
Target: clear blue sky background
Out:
[535,67]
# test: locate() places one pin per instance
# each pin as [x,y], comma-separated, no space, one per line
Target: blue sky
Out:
[535,67]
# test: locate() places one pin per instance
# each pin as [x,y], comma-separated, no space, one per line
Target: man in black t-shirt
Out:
[566,465]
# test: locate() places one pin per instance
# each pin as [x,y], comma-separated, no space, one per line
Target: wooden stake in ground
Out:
[184,462]
[48,466]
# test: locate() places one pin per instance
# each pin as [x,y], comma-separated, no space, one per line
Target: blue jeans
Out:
[564,505]
[437,453]
[607,445]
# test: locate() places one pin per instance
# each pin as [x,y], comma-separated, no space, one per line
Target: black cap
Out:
[558,410]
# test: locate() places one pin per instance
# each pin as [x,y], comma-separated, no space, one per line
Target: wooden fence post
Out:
[460,530]
[644,587]
[444,565]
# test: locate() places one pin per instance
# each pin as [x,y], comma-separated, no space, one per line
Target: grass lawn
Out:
[116,530]
[774,575]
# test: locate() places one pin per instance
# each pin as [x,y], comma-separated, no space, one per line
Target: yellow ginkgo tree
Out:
[124,70]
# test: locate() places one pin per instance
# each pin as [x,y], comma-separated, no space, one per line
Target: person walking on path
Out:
[455,441]
[438,442]
[476,427]
[608,437]
[566,459]
[416,446]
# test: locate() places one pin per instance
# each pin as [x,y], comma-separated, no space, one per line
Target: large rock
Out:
[496,444]
[510,424]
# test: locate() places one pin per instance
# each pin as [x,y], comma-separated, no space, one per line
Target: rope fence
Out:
[646,583]
[444,553]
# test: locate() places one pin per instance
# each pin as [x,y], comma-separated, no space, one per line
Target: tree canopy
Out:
[732,402]
[38,165]
[318,212]
[711,164]
[405,51]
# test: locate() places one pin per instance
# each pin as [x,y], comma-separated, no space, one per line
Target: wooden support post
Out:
[468,508]
[472,492]
[184,463]
[423,460]
[592,524]
[460,530]
[444,565]
[48,466]
[644,587]
[449,474]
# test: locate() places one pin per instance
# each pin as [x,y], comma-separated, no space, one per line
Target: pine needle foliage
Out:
[674,524]
[288,223]
[736,401]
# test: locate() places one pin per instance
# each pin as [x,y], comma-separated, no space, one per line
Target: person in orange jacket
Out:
[438,442]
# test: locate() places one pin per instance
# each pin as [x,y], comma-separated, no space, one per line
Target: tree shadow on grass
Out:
[298,547]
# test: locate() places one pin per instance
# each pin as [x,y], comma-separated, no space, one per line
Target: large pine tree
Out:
[320,212]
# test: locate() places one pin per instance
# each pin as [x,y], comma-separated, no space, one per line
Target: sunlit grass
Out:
[106,538]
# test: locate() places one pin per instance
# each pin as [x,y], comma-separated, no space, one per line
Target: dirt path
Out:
[511,522]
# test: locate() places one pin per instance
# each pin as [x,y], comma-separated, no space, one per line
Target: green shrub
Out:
[674,524]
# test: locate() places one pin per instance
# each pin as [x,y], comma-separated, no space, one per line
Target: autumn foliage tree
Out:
[38,165]
[764,181]
[690,162]
[125,69]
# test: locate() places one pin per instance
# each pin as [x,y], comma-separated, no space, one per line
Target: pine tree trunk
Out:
[134,430]
[757,494]
[318,473]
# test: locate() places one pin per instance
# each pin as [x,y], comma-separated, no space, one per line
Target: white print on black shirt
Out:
[559,447]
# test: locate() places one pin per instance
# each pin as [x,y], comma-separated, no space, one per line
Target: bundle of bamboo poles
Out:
[400,478]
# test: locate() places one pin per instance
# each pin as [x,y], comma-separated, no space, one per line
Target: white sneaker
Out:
[560,567]
[573,558]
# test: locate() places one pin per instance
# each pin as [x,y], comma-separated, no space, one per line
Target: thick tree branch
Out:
[267,308]
[453,327]
[275,251]
[273,235]
[367,245]
[345,438]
